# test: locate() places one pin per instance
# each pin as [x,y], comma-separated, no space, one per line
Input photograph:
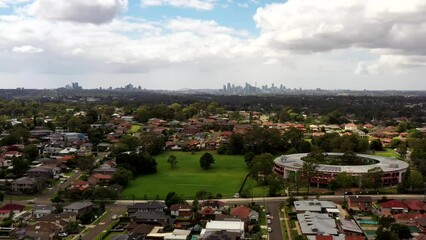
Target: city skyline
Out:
[203,44]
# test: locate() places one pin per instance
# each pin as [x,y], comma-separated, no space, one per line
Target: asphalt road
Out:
[274,211]
[45,197]
[106,221]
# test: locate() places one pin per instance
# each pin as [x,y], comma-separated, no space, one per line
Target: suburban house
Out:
[97,178]
[181,210]
[362,203]
[394,206]
[42,210]
[44,173]
[349,227]
[152,218]
[415,205]
[42,230]
[79,207]
[105,169]
[421,224]
[79,185]
[313,206]
[9,209]
[25,183]
[241,212]
[226,229]
[153,206]
[212,207]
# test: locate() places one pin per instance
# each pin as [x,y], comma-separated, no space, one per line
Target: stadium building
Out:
[393,170]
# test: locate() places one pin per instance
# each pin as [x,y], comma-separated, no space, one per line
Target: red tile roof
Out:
[393,204]
[240,212]
[320,237]
[13,207]
[102,176]
[415,205]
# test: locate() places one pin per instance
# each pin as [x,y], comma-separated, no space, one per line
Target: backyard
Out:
[225,177]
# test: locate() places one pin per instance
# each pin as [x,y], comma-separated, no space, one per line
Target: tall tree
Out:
[206,160]
[415,180]
[373,179]
[309,170]
[261,166]
[236,144]
[172,160]
[122,177]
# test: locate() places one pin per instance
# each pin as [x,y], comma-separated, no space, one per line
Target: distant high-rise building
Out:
[75,86]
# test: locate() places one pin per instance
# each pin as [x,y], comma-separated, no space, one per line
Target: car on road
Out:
[31,201]
[114,216]
[269,229]
[62,234]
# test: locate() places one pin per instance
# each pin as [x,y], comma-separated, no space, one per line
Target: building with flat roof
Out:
[393,170]
[317,224]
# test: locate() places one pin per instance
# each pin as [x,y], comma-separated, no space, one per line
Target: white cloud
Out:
[397,28]
[196,4]
[83,11]
[27,49]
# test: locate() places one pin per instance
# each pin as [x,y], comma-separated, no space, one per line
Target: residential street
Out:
[97,229]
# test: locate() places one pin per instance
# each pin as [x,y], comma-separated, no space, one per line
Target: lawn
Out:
[388,153]
[135,129]
[225,177]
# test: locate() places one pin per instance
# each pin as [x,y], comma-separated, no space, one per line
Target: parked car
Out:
[269,229]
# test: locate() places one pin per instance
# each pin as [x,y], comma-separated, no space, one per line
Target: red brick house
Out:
[362,203]
[98,178]
[181,210]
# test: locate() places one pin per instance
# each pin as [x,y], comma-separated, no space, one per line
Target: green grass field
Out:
[387,152]
[225,177]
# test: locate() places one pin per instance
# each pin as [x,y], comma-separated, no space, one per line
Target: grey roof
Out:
[40,169]
[350,225]
[149,215]
[294,161]
[148,205]
[313,205]
[317,224]
[43,208]
[78,205]
[25,180]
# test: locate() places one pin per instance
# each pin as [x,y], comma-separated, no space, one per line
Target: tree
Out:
[415,180]
[343,180]
[236,144]
[173,198]
[31,152]
[275,184]
[248,157]
[139,163]
[373,179]
[261,166]
[362,145]
[20,166]
[122,177]
[376,145]
[152,143]
[309,170]
[172,160]
[206,160]
[402,230]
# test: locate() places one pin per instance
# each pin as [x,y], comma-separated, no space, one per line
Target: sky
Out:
[201,44]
